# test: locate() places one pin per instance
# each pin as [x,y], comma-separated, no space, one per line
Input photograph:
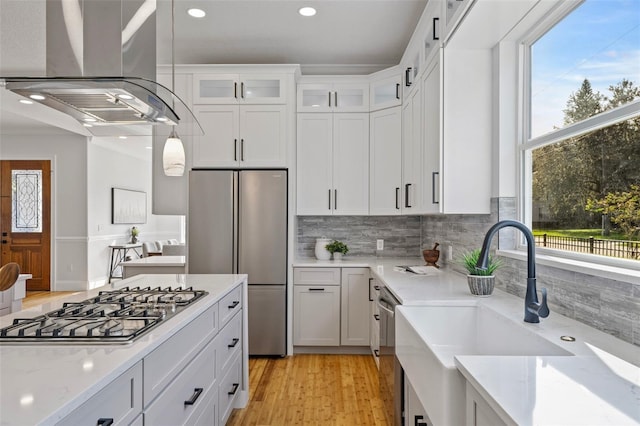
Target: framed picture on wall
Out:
[128,206]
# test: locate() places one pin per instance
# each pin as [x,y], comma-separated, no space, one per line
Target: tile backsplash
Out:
[401,234]
[608,305]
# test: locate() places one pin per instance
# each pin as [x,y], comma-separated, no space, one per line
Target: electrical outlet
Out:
[450,253]
[380,245]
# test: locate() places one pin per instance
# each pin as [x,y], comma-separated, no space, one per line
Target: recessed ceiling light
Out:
[122,137]
[197,13]
[307,11]
[26,101]
[87,125]
[37,97]
[162,119]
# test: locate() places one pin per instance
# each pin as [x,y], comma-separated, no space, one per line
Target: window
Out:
[582,146]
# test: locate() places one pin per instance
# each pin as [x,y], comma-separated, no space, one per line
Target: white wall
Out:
[106,169]
[68,155]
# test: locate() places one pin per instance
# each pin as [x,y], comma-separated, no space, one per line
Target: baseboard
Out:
[338,350]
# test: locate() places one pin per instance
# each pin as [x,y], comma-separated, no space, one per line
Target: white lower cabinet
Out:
[374,319]
[331,307]
[119,403]
[414,412]
[479,413]
[354,318]
[316,313]
[192,378]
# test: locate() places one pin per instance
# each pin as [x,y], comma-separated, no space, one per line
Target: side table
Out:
[119,254]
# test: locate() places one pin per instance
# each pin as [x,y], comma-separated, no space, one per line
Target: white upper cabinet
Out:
[385,92]
[333,97]
[454,10]
[385,162]
[412,166]
[239,88]
[241,136]
[432,125]
[332,164]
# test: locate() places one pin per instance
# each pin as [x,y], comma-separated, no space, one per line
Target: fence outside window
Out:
[614,248]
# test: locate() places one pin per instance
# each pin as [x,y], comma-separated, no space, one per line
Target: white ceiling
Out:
[345,37]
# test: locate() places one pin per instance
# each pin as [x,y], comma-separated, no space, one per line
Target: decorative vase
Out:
[481,285]
[321,250]
[337,256]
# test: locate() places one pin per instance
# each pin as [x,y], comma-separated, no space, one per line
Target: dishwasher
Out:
[390,375]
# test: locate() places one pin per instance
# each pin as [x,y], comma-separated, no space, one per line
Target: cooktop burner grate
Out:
[115,316]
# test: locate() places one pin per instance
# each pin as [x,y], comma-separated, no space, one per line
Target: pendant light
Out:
[173,158]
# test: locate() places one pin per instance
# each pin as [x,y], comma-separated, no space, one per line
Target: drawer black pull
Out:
[377,317]
[235,342]
[234,304]
[376,353]
[316,289]
[104,422]
[417,421]
[194,397]
[234,389]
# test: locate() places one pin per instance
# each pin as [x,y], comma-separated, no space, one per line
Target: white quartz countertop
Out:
[156,261]
[522,386]
[41,384]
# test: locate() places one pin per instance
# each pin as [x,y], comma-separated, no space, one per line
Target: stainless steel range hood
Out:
[101,67]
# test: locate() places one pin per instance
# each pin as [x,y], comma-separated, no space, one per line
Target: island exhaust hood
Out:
[101,67]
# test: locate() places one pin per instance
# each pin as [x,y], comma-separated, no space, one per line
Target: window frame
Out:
[601,265]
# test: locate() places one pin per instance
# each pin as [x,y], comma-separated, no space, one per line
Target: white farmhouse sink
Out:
[429,337]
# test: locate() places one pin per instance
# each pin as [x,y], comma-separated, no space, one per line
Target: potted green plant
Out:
[337,248]
[134,235]
[481,281]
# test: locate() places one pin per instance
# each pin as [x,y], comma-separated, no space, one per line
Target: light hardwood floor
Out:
[36,298]
[312,390]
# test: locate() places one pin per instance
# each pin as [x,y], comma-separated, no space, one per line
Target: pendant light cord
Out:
[173,47]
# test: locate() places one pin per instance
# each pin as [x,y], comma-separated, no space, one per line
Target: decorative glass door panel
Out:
[26,201]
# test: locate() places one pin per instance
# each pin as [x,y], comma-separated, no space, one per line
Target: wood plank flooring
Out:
[312,389]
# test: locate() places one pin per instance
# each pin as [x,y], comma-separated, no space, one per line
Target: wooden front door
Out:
[25,213]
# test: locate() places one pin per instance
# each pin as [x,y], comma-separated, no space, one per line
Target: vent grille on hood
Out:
[91,45]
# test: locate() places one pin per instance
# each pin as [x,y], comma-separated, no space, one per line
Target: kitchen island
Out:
[596,382]
[43,383]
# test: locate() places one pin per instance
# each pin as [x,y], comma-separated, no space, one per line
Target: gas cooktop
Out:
[116,316]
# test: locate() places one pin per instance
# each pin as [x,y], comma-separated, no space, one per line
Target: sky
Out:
[600,41]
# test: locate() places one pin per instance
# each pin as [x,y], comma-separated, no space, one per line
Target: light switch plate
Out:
[380,245]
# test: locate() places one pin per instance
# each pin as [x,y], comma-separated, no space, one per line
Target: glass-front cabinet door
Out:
[238,88]
[386,93]
[336,97]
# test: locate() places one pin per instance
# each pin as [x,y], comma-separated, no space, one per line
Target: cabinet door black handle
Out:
[335,199]
[377,317]
[397,90]
[235,150]
[329,98]
[316,289]
[435,28]
[194,397]
[417,421]
[329,199]
[376,287]
[370,298]
[335,98]
[242,90]
[433,187]
[234,343]
[376,353]
[234,389]
[104,422]
[406,195]
[407,77]
[397,198]
[233,304]
[235,90]
[241,149]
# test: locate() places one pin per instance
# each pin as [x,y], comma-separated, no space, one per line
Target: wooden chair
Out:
[9,274]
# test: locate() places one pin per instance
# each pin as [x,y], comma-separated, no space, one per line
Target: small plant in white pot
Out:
[481,281]
[338,249]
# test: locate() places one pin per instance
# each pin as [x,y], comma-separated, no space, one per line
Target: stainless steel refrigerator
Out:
[237,223]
